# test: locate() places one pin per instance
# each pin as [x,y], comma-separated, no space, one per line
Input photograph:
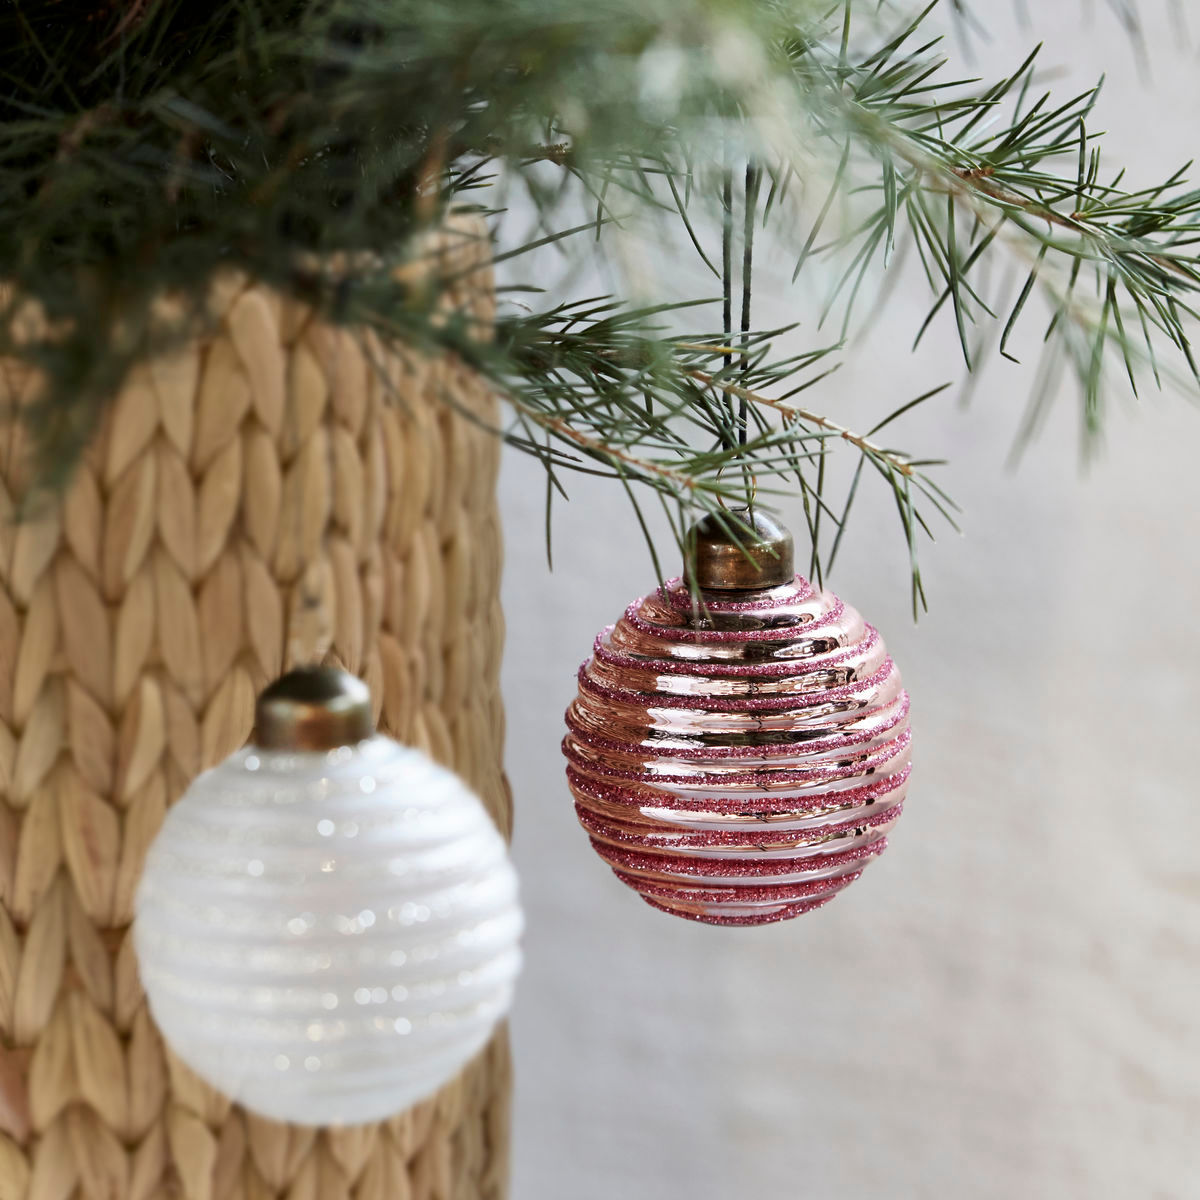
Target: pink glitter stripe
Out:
[676,748]
[731,894]
[737,704]
[647,796]
[795,632]
[769,917]
[792,667]
[676,594]
[821,772]
[679,866]
[673,838]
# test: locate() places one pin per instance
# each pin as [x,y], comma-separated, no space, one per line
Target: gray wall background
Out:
[1006,1004]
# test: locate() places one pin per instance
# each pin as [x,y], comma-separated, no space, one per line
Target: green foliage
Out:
[145,145]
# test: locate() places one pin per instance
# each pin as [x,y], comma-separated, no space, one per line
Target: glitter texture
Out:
[740,760]
[322,951]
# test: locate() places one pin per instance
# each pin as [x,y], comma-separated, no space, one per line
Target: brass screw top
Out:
[742,550]
[313,708]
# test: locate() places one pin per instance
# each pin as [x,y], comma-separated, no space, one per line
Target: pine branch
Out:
[890,458]
[146,146]
[892,106]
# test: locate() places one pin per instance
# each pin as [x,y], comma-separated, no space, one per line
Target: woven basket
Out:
[257,500]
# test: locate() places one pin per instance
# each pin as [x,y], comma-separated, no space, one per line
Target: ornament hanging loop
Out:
[746,551]
[740,508]
[313,708]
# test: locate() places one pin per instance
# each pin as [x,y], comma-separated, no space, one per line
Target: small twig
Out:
[709,348]
[77,133]
[559,153]
[792,413]
[968,184]
[979,179]
[603,449]
[429,177]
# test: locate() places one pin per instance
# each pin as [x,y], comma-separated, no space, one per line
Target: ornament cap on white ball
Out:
[313,708]
[327,923]
[739,747]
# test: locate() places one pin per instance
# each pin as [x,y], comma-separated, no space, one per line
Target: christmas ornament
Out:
[327,922]
[738,757]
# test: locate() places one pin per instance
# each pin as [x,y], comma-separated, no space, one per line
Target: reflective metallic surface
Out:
[328,937]
[739,760]
[313,708]
[742,550]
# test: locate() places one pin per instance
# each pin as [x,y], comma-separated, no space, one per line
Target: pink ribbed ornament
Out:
[741,758]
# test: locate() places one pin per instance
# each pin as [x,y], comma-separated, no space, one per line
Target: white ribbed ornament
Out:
[328,936]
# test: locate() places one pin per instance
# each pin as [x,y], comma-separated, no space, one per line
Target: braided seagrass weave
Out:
[254,501]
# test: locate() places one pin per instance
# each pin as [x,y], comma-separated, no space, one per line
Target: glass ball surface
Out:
[328,937]
[741,759]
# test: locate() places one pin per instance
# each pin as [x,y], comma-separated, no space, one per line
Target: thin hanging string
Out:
[753,179]
[749,215]
[739,415]
[727,278]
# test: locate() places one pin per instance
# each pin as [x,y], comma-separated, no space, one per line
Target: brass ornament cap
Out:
[741,550]
[313,708]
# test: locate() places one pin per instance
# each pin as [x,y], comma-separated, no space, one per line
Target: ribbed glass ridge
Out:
[328,937]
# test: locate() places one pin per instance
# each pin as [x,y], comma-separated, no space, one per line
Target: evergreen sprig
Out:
[146,145]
